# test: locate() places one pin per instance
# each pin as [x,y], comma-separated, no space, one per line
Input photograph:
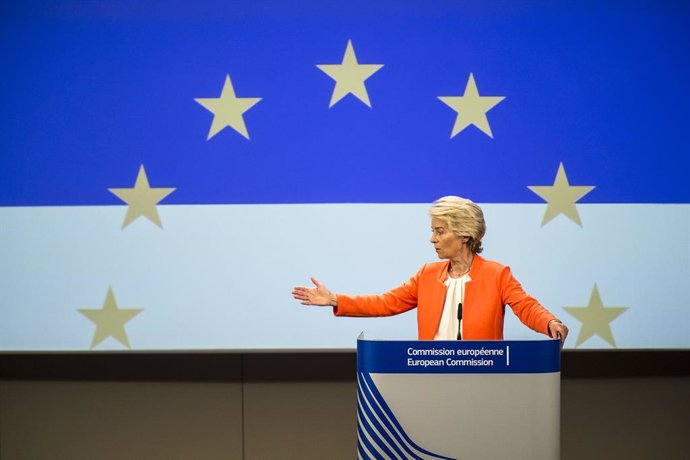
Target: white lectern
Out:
[458,399]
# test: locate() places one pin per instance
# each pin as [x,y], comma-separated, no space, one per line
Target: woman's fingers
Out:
[300,293]
[561,331]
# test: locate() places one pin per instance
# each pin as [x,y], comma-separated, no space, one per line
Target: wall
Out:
[283,406]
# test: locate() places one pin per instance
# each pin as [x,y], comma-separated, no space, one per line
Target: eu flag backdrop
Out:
[169,170]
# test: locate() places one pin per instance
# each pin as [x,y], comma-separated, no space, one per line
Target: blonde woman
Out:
[463,297]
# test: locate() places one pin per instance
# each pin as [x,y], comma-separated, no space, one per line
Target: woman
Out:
[463,298]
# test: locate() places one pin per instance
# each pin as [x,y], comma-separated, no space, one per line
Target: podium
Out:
[458,399]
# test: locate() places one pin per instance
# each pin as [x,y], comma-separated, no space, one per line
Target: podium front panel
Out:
[459,399]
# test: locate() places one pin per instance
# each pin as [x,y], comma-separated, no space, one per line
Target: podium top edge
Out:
[361,338]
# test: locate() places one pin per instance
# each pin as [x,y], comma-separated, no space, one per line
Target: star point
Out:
[228,110]
[349,76]
[471,108]
[141,199]
[110,320]
[595,318]
[561,197]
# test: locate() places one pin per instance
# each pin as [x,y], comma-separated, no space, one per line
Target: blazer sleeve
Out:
[526,308]
[397,300]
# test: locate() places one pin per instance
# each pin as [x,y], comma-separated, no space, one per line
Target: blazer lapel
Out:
[438,299]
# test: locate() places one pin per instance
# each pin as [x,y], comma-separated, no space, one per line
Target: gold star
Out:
[349,76]
[561,197]
[110,320]
[471,108]
[141,199]
[595,318]
[228,109]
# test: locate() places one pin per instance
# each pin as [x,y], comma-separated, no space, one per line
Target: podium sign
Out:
[458,399]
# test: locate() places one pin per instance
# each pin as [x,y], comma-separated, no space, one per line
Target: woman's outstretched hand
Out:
[319,295]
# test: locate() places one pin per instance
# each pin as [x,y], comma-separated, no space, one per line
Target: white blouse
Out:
[455,294]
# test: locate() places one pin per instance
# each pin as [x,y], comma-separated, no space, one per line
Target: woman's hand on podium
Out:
[319,295]
[558,330]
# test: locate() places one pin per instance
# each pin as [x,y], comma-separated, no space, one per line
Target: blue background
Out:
[91,90]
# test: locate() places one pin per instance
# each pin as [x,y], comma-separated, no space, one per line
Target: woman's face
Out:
[448,245]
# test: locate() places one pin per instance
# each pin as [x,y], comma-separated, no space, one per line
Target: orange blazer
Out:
[491,288]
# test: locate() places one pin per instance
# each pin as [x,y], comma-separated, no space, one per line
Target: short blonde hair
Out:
[464,218]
